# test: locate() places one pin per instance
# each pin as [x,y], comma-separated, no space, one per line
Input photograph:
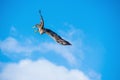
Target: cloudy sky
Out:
[92,26]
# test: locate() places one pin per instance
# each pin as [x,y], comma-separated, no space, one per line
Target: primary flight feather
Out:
[56,37]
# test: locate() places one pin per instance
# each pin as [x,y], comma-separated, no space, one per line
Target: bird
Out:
[52,34]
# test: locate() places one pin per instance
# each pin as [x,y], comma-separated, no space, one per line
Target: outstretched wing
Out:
[42,20]
[56,37]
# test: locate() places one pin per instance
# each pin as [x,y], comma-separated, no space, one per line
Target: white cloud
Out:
[27,46]
[40,70]
[65,51]
[11,45]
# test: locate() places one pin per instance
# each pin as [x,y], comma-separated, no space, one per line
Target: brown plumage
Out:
[56,37]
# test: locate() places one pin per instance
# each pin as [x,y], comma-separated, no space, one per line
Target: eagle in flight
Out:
[42,30]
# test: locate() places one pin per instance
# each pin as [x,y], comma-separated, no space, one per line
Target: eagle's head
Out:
[39,27]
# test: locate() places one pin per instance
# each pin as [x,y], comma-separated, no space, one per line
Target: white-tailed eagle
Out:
[56,37]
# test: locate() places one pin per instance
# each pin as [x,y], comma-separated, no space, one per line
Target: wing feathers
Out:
[56,37]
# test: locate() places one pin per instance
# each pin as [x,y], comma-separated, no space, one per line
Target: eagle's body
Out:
[55,36]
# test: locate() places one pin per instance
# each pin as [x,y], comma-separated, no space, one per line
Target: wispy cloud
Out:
[13,46]
[27,46]
[40,70]
[64,51]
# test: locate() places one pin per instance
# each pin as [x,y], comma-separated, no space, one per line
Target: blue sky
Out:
[92,26]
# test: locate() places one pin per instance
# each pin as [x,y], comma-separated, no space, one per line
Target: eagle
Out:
[52,34]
